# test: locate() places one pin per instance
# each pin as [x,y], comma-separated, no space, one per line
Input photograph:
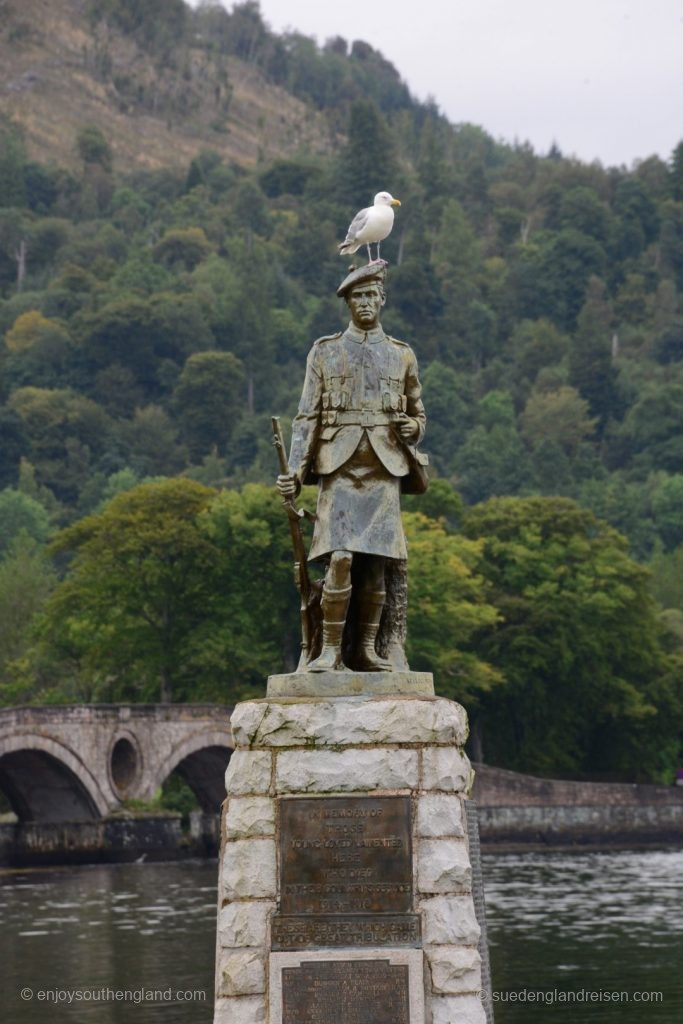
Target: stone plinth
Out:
[347,683]
[364,749]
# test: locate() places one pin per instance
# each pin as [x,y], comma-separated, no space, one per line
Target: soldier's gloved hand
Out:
[288,485]
[408,427]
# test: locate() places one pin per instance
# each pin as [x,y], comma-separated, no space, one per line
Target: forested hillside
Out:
[154,317]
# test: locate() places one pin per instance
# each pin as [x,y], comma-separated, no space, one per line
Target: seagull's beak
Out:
[395,202]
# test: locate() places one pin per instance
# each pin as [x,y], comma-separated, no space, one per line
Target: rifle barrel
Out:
[279,442]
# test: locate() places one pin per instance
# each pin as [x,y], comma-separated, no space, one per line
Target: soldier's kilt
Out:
[359,509]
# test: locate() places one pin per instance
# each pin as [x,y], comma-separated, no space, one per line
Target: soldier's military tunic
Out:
[345,437]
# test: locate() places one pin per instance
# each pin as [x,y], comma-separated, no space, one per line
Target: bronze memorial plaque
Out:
[345,992]
[311,931]
[345,855]
[346,873]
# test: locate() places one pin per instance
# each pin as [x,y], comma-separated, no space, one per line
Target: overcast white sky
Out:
[603,78]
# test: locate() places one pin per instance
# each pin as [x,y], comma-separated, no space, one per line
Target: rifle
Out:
[301,577]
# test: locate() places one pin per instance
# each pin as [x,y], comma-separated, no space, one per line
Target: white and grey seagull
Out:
[372,224]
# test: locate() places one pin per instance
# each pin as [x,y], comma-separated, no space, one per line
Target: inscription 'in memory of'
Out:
[345,855]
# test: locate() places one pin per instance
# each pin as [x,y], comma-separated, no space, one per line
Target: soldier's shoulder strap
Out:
[327,337]
[397,341]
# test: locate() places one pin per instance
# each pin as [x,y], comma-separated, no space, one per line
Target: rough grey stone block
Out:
[249,870]
[439,814]
[346,771]
[244,1010]
[446,769]
[250,816]
[248,772]
[242,973]
[443,865]
[449,920]
[457,1010]
[454,969]
[244,924]
[349,721]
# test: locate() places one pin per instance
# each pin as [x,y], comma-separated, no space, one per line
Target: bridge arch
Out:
[44,780]
[201,760]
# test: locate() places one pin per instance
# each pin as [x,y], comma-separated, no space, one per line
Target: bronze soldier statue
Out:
[360,418]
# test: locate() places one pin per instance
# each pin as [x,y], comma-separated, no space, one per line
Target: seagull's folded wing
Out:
[357,225]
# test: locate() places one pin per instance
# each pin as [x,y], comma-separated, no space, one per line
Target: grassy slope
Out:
[51,82]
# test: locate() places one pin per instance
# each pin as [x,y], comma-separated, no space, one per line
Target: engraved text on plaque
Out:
[345,992]
[346,855]
[346,873]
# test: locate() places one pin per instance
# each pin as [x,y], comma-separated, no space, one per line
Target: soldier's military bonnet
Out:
[363,275]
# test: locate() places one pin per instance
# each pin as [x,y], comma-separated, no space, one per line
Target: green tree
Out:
[560,416]
[15,235]
[668,346]
[367,163]
[550,278]
[93,148]
[441,502]
[49,235]
[151,437]
[676,172]
[671,241]
[251,210]
[582,209]
[492,459]
[626,505]
[416,296]
[13,443]
[146,336]
[182,247]
[667,576]
[447,607]
[28,329]
[653,426]
[206,400]
[590,358]
[667,509]
[456,256]
[551,468]
[66,432]
[158,25]
[238,299]
[12,163]
[578,642]
[637,218]
[537,344]
[40,351]
[21,514]
[26,580]
[43,186]
[448,397]
[259,620]
[140,585]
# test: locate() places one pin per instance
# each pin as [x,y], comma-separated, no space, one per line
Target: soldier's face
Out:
[365,302]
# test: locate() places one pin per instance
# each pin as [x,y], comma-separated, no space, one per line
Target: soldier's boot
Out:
[334,604]
[369,614]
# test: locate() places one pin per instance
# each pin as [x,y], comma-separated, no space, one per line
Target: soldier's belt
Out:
[358,418]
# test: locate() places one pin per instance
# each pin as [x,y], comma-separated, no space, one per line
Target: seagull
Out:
[372,224]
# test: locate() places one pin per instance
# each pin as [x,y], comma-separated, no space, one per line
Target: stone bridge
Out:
[80,762]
